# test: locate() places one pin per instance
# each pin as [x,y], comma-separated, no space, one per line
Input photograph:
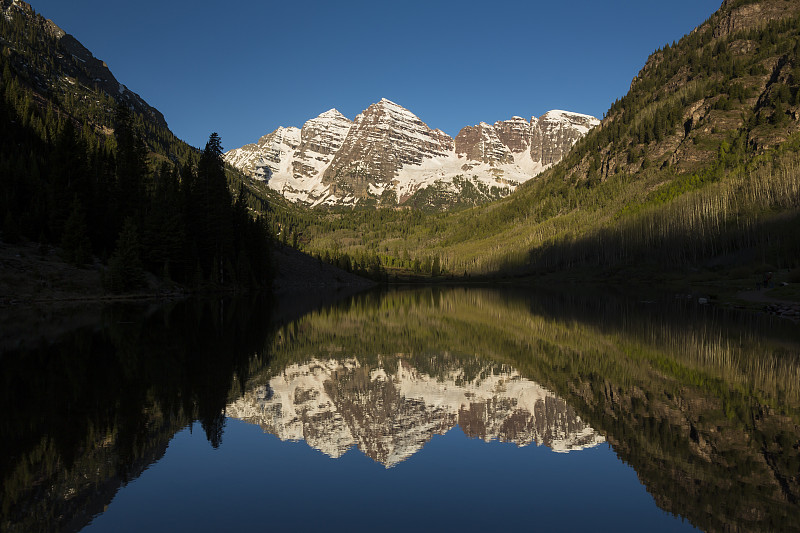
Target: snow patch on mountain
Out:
[387,148]
[557,119]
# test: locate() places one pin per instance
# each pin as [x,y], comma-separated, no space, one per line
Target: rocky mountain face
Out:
[704,102]
[735,15]
[387,155]
[390,414]
[384,139]
[264,158]
[546,139]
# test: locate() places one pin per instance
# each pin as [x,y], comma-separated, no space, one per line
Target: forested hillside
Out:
[88,166]
[697,165]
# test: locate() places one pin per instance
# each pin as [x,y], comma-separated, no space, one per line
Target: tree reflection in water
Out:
[703,403]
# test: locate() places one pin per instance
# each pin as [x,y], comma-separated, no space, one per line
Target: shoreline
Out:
[34,275]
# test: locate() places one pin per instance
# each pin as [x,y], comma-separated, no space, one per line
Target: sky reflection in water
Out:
[428,409]
[455,483]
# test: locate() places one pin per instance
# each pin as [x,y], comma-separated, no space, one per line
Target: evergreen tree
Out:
[75,245]
[125,270]
[164,232]
[68,177]
[131,166]
[214,213]
[779,116]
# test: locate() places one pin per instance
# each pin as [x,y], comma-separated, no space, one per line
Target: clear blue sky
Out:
[243,68]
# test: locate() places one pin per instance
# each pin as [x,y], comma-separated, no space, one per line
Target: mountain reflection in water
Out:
[392,410]
[703,403]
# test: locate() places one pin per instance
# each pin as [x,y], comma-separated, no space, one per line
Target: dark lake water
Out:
[420,409]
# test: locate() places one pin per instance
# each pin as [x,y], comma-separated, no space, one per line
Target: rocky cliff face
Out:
[320,139]
[556,132]
[546,140]
[515,134]
[390,414]
[388,155]
[384,139]
[730,18]
[482,143]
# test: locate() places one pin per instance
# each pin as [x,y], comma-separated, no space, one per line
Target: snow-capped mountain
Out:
[384,139]
[390,414]
[387,155]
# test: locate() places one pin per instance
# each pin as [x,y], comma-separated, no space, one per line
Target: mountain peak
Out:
[384,139]
[561,115]
[331,113]
[387,106]
[388,154]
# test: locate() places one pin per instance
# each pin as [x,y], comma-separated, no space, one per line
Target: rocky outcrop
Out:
[746,17]
[547,138]
[515,134]
[556,132]
[390,414]
[481,143]
[388,149]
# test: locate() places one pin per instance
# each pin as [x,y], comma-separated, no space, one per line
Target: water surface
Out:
[464,409]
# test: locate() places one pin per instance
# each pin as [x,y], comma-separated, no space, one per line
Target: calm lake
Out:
[468,409]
